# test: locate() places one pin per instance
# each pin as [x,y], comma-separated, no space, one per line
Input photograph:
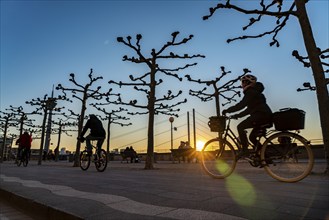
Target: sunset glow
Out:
[199,145]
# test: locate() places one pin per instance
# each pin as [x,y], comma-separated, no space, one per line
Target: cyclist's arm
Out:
[243,113]
[239,106]
[85,128]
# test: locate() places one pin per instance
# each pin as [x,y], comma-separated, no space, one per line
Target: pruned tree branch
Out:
[282,17]
[228,91]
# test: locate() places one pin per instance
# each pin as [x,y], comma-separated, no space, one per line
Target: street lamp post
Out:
[171,120]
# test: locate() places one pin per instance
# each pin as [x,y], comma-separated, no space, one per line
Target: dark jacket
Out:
[95,126]
[255,102]
[24,141]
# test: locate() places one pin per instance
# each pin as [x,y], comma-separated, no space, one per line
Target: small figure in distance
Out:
[24,141]
[97,132]
[187,145]
[256,107]
[134,155]
[182,145]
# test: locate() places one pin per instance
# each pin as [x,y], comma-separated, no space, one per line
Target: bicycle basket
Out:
[217,124]
[289,119]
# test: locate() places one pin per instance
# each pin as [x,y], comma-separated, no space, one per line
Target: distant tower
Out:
[48,131]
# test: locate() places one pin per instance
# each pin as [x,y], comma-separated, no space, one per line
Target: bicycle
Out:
[23,158]
[286,156]
[100,159]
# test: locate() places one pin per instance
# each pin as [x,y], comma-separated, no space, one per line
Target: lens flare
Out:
[199,145]
[241,190]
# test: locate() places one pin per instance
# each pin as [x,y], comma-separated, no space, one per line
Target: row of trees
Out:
[146,84]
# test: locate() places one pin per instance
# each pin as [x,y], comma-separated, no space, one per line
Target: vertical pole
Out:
[188,129]
[194,130]
[108,137]
[171,138]
[4,141]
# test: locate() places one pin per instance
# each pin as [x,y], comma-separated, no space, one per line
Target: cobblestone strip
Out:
[121,203]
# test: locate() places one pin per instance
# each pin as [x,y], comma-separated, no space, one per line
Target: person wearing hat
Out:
[254,105]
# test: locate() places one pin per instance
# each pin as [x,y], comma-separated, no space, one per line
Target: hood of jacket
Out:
[259,87]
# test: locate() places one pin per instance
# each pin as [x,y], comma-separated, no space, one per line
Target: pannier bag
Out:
[289,119]
[217,124]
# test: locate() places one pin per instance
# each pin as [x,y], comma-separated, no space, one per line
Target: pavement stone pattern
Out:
[170,191]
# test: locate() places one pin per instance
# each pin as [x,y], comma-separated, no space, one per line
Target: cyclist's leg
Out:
[258,120]
[100,142]
[89,138]
[247,123]
[253,136]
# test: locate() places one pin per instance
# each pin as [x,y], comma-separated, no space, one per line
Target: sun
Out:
[199,145]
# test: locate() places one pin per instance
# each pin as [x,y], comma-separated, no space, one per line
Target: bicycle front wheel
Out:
[287,157]
[84,160]
[218,160]
[101,162]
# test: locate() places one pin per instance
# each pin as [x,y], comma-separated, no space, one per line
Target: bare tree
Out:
[83,93]
[305,61]
[64,126]
[228,90]
[45,104]
[147,83]
[7,119]
[17,116]
[21,117]
[296,8]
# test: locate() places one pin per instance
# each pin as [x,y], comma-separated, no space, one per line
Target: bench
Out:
[132,156]
[186,154]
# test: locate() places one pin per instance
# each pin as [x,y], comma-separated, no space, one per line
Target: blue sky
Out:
[42,42]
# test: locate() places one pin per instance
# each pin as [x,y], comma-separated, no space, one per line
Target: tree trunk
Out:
[108,138]
[150,133]
[4,141]
[42,135]
[318,74]
[80,126]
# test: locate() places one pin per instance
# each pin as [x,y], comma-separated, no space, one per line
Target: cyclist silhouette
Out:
[97,132]
[259,112]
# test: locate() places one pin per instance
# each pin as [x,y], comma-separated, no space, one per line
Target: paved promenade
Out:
[171,191]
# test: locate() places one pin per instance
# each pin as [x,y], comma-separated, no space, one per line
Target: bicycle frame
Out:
[230,135]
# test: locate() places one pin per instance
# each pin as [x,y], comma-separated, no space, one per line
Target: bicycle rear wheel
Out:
[218,162]
[101,162]
[287,157]
[84,160]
